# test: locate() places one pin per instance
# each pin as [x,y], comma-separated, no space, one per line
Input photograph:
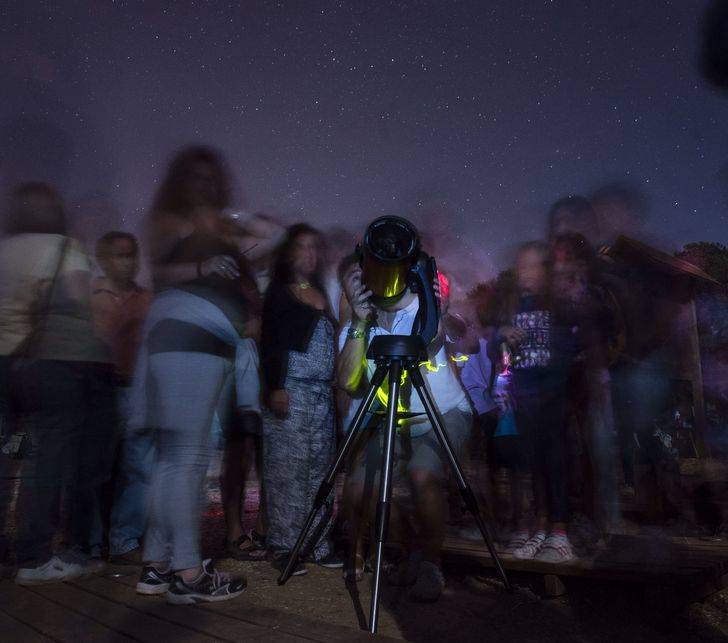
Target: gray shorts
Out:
[410,453]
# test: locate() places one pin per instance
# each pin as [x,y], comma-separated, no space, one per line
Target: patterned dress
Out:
[299,448]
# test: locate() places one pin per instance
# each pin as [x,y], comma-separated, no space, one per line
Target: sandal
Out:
[251,548]
[356,574]
[259,540]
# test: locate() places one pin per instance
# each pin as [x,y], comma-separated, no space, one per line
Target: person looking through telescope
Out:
[419,462]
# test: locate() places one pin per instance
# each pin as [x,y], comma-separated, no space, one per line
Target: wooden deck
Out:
[318,607]
[106,608]
[688,567]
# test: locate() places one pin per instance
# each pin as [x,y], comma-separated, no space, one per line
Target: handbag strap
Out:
[43,305]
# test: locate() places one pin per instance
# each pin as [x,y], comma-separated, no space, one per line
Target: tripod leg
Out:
[465,490]
[327,484]
[385,487]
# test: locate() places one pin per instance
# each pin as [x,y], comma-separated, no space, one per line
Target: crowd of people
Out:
[255,335]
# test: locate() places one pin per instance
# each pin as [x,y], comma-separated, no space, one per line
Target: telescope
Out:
[392,261]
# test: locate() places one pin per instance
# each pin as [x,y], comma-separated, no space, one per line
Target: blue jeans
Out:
[130,510]
[72,420]
[186,389]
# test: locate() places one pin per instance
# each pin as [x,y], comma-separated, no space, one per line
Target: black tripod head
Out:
[403,348]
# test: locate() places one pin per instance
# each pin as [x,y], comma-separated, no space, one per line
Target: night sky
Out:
[476,114]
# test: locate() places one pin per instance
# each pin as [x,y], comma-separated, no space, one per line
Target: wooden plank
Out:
[13,630]
[116,615]
[272,622]
[189,618]
[630,559]
[626,572]
[50,619]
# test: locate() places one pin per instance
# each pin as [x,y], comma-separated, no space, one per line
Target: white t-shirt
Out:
[438,374]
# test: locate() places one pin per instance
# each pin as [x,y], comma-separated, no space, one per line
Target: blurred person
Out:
[298,352]
[512,473]
[257,239]
[119,307]
[642,384]
[243,450]
[487,379]
[573,214]
[477,373]
[339,245]
[61,376]
[420,462]
[587,308]
[620,209]
[346,406]
[199,347]
[539,365]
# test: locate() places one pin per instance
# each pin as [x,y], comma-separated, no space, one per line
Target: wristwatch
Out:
[355,333]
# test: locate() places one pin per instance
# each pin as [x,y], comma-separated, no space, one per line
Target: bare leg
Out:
[261,523]
[356,519]
[237,463]
[427,494]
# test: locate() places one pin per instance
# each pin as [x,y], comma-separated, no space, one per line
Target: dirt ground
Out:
[476,608]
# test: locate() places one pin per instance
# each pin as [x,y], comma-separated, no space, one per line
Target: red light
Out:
[444,285]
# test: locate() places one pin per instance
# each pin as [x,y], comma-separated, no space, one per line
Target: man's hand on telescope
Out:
[357,294]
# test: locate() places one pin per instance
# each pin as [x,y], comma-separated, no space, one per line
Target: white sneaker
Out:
[556,549]
[54,571]
[531,547]
[517,540]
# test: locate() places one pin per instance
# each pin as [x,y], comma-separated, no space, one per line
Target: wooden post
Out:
[696,369]
[553,586]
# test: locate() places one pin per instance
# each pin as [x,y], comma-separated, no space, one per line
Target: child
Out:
[530,330]
[508,455]
[119,308]
[119,303]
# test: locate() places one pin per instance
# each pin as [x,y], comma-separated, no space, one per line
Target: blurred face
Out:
[305,255]
[566,221]
[42,209]
[121,265]
[202,185]
[570,279]
[563,222]
[530,271]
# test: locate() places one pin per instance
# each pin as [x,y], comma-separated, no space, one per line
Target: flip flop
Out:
[246,548]
[356,574]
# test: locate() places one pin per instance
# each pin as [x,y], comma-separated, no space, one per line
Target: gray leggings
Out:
[185,390]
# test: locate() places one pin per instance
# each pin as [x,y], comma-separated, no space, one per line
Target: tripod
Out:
[393,355]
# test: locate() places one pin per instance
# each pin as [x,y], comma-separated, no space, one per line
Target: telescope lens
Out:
[390,249]
[391,239]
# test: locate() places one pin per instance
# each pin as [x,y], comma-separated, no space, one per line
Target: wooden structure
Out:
[673,572]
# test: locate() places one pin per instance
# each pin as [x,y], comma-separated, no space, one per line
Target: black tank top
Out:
[238,298]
